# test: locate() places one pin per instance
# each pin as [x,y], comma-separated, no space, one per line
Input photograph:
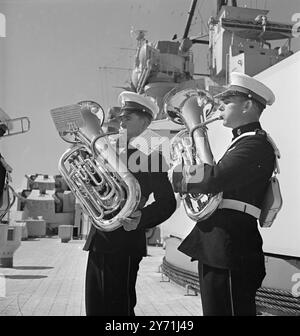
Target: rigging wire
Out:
[202,24]
[196,17]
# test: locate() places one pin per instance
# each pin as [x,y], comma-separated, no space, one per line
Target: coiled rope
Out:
[267,299]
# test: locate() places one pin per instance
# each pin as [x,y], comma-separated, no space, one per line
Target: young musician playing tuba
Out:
[228,245]
[114,256]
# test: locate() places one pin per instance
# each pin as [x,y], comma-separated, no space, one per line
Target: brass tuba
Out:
[106,190]
[194,109]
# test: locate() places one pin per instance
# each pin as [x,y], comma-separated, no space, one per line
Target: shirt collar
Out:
[245,128]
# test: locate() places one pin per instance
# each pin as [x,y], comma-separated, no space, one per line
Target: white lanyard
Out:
[271,141]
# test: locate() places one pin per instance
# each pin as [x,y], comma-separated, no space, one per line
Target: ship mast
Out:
[188,25]
[190,18]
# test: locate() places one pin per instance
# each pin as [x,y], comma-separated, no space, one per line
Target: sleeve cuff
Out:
[192,175]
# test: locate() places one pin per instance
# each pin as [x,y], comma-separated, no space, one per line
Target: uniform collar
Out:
[245,128]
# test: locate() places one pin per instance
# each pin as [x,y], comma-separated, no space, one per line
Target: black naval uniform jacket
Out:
[230,239]
[2,178]
[164,204]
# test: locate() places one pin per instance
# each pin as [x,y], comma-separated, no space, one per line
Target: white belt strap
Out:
[240,206]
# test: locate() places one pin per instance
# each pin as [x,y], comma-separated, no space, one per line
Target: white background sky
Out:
[54,48]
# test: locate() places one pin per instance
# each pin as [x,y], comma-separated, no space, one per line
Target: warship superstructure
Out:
[240,39]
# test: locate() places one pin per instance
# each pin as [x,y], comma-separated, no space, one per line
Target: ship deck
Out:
[48,278]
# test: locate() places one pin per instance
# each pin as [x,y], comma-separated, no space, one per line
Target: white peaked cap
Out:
[249,86]
[132,101]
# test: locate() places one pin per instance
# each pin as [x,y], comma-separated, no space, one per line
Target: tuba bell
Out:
[194,109]
[100,181]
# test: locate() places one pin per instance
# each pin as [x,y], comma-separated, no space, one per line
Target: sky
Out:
[55,53]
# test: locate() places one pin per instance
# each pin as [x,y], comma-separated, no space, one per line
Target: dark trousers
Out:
[227,292]
[110,284]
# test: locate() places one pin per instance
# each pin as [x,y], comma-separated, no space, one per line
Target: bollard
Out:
[153,236]
[36,227]
[24,230]
[65,233]
[10,240]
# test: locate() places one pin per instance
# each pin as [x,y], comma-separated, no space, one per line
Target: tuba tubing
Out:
[96,175]
[194,109]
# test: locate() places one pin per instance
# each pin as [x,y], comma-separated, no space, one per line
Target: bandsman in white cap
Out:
[228,245]
[246,90]
[137,112]
[114,256]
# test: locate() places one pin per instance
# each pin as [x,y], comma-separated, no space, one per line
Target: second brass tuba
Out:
[194,109]
[106,190]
